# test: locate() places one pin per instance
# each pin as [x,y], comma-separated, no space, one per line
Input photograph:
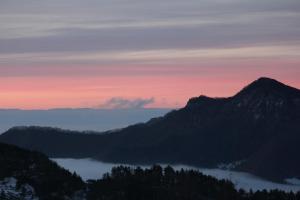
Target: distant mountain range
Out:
[258,130]
[80,119]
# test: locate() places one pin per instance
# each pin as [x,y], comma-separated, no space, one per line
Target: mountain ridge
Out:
[206,132]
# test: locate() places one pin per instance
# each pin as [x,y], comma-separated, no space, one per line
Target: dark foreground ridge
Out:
[39,178]
[35,176]
[259,127]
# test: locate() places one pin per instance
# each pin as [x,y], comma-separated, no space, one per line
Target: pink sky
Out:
[73,53]
[172,91]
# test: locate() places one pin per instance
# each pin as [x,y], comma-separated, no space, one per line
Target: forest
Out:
[157,183]
[51,182]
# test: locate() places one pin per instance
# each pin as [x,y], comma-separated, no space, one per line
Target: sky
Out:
[141,53]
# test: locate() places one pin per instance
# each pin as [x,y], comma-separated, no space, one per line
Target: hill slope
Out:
[32,175]
[259,125]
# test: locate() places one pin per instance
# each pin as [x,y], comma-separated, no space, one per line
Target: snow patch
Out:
[10,190]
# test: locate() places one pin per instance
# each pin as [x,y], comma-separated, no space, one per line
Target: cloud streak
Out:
[123,103]
[145,56]
[48,26]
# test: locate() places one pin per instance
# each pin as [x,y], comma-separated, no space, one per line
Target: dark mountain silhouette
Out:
[34,170]
[259,126]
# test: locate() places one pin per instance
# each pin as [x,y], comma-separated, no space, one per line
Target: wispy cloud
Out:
[123,103]
[183,55]
[47,26]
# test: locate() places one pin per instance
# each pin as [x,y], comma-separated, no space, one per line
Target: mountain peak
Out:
[263,89]
[266,82]
[268,86]
[266,79]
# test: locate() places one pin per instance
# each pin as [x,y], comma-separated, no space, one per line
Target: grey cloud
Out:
[122,103]
[238,23]
[261,31]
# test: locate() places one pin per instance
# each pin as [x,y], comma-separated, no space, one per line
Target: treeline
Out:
[157,183]
[50,181]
